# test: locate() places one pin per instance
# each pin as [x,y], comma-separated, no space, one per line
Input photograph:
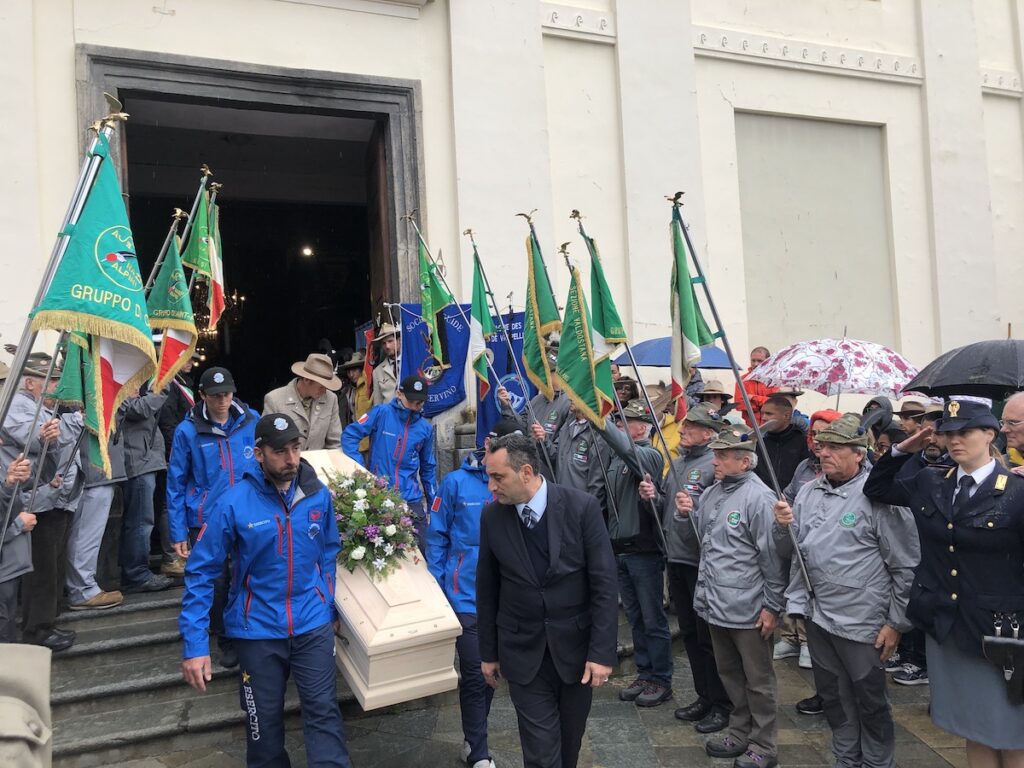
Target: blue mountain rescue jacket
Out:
[283,548]
[205,461]
[453,538]
[401,449]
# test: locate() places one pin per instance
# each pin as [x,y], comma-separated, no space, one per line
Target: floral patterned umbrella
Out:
[837,366]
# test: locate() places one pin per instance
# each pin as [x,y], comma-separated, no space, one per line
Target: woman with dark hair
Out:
[970,583]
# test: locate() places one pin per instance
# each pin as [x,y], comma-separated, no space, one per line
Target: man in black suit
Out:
[546,601]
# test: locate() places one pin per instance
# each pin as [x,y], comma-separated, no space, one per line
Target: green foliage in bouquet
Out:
[374,523]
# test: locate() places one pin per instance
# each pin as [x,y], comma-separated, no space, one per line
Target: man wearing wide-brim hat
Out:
[306,400]
[860,556]
[353,397]
[385,375]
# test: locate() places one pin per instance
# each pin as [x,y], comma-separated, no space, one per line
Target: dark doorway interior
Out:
[294,224]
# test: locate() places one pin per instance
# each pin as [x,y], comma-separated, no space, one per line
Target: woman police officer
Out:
[971,524]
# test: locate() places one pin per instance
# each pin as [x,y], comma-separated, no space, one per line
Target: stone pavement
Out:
[427,733]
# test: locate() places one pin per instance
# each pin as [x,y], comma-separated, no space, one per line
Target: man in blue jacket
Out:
[277,524]
[211,450]
[453,542]
[401,447]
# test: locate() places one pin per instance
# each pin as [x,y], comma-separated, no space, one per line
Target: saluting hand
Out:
[783,513]
[918,441]
[197,672]
[647,489]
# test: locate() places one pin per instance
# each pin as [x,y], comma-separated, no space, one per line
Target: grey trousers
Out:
[850,679]
[745,666]
[87,527]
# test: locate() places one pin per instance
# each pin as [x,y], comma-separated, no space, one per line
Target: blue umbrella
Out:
[658,354]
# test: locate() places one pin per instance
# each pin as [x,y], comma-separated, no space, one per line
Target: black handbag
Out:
[1007,653]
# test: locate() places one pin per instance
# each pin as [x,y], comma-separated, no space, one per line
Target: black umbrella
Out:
[984,369]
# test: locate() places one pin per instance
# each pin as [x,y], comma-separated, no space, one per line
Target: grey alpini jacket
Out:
[740,572]
[697,473]
[860,557]
[578,458]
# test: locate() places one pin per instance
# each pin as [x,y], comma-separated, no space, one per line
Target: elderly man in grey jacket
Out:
[860,558]
[740,585]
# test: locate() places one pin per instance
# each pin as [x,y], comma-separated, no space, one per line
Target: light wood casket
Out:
[398,633]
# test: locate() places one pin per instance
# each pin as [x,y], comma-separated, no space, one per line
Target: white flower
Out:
[360,493]
[346,483]
[360,505]
[379,541]
[388,504]
[391,530]
[358,553]
[379,564]
[389,549]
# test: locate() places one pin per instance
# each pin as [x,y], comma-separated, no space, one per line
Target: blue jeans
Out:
[266,665]
[642,586]
[136,528]
[474,693]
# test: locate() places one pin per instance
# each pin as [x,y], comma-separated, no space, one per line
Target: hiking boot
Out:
[155,583]
[751,759]
[911,674]
[174,568]
[691,713]
[100,601]
[786,650]
[633,690]
[716,720]
[726,746]
[653,695]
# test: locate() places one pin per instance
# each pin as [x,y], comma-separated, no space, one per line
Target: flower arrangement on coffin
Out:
[374,524]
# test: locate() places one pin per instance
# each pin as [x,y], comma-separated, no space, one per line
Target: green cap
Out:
[733,437]
[846,430]
[704,415]
[637,409]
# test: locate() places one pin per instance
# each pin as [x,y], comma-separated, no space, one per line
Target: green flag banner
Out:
[607,329]
[434,297]
[481,328]
[588,384]
[541,318]
[197,250]
[170,311]
[97,290]
[690,332]
[77,388]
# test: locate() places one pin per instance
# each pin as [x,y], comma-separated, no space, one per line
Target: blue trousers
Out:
[136,528]
[266,665]
[641,584]
[474,693]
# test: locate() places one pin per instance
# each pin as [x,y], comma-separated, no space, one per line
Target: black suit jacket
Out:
[972,562]
[573,612]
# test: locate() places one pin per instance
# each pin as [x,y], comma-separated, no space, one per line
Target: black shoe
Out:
[691,713]
[810,706]
[726,746]
[155,583]
[62,632]
[56,641]
[228,657]
[754,760]
[653,695]
[634,689]
[715,721]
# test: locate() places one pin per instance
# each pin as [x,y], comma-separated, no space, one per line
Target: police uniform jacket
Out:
[971,562]
[860,556]
[740,573]
[320,423]
[632,525]
[578,459]
[385,382]
[695,469]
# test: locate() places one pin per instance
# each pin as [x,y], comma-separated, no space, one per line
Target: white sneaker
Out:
[785,650]
[805,657]
[466,749]
[484,764]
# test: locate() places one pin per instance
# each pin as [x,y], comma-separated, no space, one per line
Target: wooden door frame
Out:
[395,103]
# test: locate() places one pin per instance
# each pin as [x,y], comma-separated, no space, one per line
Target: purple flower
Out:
[406,521]
[371,531]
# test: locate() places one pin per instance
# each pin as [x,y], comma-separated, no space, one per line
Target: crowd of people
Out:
[858,545]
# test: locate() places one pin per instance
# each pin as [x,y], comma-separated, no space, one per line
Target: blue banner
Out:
[449,389]
[487,413]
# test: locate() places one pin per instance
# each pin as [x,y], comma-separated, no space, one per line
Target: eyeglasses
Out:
[1011,423]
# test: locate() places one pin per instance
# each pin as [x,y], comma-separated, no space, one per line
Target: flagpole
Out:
[632,443]
[86,177]
[172,230]
[213,199]
[511,349]
[702,279]
[179,214]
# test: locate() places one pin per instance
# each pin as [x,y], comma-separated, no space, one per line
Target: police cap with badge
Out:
[966,414]
[276,430]
[216,381]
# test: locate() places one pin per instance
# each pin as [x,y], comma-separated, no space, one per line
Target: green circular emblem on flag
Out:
[733,519]
[848,520]
[115,255]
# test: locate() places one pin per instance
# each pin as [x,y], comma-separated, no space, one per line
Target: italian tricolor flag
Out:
[203,254]
[170,311]
[689,330]
[607,329]
[481,328]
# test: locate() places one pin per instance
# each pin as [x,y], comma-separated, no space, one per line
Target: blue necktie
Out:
[527,517]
